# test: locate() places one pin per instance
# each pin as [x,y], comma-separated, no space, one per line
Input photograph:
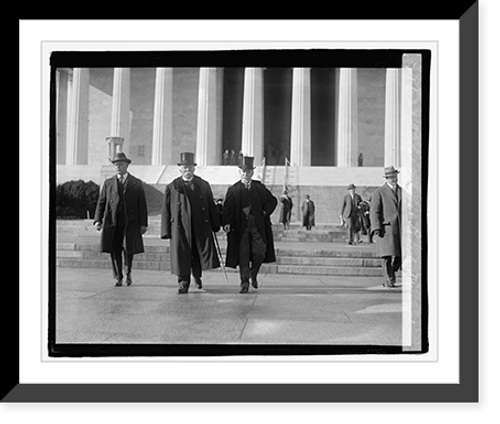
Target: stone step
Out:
[296,233]
[104,263]
[336,260]
[162,247]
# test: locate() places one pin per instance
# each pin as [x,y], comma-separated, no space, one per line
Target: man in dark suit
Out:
[349,214]
[385,217]
[308,211]
[189,217]
[247,208]
[122,215]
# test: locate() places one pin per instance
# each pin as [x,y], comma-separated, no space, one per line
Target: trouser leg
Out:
[350,230]
[196,266]
[244,259]
[116,253]
[388,269]
[258,251]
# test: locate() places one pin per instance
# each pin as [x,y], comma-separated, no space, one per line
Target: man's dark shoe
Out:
[198,283]
[128,281]
[118,282]
[182,290]
[255,285]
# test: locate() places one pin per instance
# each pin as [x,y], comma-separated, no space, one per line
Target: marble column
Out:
[78,118]
[62,97]
[347,133]
[252,138]
[162,118]
[392,152]
[300,142]
[120,109]
[411,184]
[209,123]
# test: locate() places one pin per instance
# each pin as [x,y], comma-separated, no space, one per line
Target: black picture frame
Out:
[466,391]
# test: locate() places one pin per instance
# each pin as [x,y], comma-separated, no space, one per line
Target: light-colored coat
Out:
[385,217]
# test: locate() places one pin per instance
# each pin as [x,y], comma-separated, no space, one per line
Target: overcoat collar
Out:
[391,193]
[179,184]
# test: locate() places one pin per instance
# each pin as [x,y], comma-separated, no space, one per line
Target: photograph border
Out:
[465,391]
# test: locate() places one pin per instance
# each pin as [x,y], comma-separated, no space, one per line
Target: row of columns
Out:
[209,121]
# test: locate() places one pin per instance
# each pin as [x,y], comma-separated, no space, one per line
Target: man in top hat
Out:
[189,218]
[246,213]
[385,217]
[122,215]
[349,214]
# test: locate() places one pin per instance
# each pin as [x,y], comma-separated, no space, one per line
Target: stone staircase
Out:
[316,252]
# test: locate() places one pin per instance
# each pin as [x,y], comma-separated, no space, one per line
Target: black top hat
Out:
[246,163]
[120,157]
[187,158]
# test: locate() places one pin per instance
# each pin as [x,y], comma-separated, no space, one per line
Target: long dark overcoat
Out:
[179,221]
[308,218]
[286,209]
[136,213]
[263,205]
[385,216]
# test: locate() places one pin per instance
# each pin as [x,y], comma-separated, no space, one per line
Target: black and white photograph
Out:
[267,218]
[239,202]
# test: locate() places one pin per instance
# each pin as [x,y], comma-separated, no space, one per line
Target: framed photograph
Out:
[330,316]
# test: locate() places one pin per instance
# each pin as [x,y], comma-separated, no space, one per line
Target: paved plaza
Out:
[286,309]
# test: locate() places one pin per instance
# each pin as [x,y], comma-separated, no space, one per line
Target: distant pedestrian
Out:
[248,206]
[189,218]
[286,209]
[349,215]
[385,217]
[226,156]
[364,215]
[308,212]
[122,215]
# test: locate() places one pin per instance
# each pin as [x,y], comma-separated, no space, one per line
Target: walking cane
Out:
[221,259]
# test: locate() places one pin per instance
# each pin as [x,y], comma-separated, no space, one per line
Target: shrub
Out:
[76,199]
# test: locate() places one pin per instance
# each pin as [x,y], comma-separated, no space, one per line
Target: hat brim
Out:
[120,160]
[246,168]
[187,163]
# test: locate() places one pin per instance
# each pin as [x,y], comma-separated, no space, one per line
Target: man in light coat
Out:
[385,217]
[349,214]
[122,215]
[189,218]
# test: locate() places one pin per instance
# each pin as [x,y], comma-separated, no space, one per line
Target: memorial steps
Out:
[322,251]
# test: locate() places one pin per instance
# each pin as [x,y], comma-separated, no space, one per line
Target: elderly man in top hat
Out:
[385,217]
[122,215]
[189,217]
[247,208]
[349,214]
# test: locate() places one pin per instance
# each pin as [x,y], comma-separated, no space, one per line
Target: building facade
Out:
[308,117]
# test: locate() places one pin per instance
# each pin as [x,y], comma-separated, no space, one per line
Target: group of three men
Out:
[190,219]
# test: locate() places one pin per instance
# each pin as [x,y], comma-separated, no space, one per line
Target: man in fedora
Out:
[122,215]
[247,208]
[189,218]
[349,214]
[385,217]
